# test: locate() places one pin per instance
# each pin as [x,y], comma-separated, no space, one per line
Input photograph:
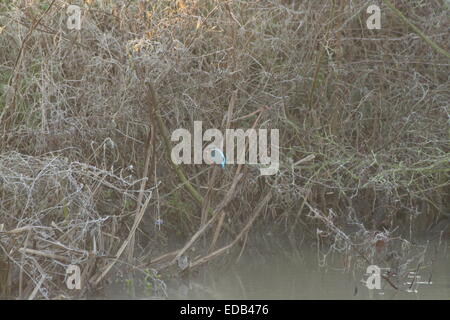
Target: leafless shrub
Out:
[52,216]
[370,107]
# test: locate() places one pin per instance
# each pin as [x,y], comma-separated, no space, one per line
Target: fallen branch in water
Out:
[244,231]
[319,215]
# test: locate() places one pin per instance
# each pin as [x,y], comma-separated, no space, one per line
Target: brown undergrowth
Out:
[86,118]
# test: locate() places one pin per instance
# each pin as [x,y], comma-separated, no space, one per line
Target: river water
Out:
[281,278]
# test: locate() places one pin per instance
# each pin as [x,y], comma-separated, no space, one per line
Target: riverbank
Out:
[89,191]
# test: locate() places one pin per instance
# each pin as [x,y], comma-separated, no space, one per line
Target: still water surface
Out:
[279,278]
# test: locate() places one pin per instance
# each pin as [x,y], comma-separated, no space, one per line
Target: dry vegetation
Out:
[84,174]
